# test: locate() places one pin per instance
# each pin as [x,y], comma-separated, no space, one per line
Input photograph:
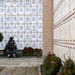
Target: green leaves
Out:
[69,67]
[51,64]
[1,37]
[29,51]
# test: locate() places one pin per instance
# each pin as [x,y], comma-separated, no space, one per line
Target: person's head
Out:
[11,38]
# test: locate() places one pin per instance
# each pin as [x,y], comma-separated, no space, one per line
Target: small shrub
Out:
[29,51]
[68,68]
[37,52]
[51,65]
[1,37]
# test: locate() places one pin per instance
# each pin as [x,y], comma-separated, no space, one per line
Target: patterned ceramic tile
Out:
[21,19]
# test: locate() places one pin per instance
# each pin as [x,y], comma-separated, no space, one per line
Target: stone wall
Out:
[64,28]
[47,26]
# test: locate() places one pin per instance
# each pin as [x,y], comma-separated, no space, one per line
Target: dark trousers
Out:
[11,52]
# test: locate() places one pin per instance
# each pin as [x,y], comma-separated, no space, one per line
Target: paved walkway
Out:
[20,66]
[20,71]
[21,62]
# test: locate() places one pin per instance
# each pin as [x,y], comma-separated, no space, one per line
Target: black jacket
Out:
[7,45]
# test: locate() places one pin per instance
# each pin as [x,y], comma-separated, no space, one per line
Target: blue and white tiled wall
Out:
[21,19]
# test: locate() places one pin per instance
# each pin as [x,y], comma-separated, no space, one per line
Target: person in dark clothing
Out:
[11,48]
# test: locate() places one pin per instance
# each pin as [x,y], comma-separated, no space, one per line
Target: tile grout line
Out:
[13,71]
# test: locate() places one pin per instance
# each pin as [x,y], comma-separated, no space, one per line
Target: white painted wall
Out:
[64,35]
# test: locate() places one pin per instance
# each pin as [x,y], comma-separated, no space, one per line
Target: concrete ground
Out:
[21,62]
[20,71]
[20,66]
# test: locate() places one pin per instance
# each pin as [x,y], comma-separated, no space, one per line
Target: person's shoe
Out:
[14,55]
[8,56]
